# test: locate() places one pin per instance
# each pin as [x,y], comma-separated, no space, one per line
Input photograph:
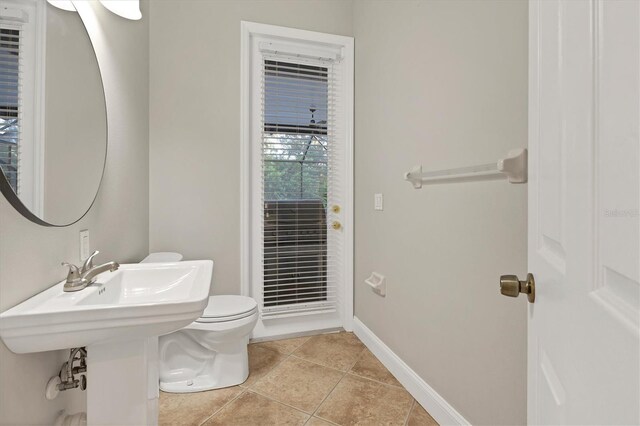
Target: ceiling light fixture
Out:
[63,4]
[129,9]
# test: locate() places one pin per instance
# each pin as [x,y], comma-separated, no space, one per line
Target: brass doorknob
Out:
[511,286]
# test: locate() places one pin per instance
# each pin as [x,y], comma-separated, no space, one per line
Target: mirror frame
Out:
[13,198]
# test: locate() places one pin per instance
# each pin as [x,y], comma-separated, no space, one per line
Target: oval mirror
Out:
[53,119]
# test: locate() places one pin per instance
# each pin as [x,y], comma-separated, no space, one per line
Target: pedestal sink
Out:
[118,319]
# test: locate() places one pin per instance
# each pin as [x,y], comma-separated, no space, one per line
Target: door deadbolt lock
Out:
[511,286]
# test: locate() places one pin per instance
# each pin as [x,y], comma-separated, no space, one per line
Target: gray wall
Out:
[444,84]
[30,255]
[195,120]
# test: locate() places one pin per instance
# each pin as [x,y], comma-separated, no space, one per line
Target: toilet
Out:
[211,352]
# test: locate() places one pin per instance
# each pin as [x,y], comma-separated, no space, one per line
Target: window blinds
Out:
[301,252]
[10,103]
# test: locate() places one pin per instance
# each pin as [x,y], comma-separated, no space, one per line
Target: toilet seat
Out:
[227,308]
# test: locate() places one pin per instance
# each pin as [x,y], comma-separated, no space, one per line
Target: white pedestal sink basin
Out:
[118,319]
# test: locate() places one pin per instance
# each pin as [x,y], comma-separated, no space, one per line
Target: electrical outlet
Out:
[84,245]
[378,202]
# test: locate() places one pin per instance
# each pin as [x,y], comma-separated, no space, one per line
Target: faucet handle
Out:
[74,275]
[88,264]
[75,281]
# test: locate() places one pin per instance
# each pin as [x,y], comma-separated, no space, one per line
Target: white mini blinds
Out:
[302,253]
[10,111]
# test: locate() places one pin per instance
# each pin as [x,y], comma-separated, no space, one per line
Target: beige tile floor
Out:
[329,379]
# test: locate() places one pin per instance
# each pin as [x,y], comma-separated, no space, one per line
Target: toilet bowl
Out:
[211,352]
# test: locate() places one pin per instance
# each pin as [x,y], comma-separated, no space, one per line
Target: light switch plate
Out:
[84,244]
[378,202]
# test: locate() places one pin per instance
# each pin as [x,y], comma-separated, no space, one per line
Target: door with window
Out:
[299,204]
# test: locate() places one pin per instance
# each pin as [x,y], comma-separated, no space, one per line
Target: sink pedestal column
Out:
[122,383]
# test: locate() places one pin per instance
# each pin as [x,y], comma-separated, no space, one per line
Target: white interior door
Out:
[584,327]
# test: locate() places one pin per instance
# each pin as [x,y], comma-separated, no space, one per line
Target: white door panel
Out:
[584,328]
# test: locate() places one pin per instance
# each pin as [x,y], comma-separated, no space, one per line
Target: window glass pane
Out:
[295,166]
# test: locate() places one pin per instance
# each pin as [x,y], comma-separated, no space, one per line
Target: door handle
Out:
[511,286]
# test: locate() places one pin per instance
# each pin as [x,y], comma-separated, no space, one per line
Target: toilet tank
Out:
[162,257]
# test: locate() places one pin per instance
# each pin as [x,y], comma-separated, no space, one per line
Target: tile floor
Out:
[329,379]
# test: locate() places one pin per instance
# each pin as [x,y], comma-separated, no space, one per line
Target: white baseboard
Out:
[437,406]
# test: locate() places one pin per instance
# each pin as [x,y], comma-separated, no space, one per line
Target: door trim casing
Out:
[247,31]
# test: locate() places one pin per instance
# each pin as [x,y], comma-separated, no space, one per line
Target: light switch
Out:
[378,202]
[84,245]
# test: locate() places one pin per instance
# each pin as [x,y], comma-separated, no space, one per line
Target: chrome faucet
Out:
[79,278]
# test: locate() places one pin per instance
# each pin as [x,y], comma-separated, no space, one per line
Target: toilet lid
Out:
[227,308]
